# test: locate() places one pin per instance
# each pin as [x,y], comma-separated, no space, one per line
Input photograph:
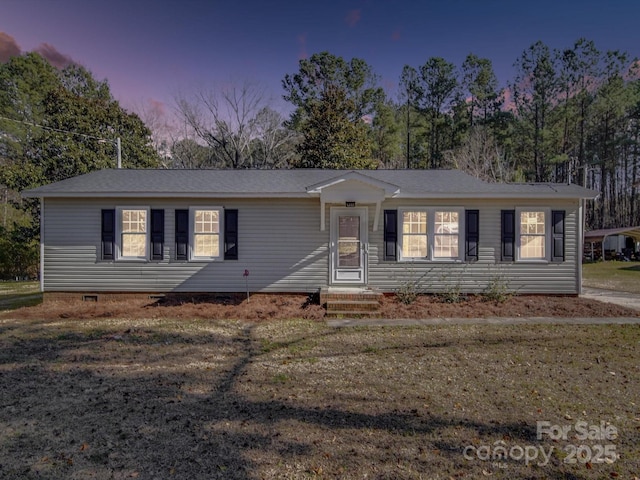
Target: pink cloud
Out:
[395,35]
[508,104]
[158,107]
[53,56]
[302,44]
[633,73]
[353,17]
[389,85]
[8,47]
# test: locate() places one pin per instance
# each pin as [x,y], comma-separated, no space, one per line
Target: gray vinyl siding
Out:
[473,277]
[282,246]
[280,243]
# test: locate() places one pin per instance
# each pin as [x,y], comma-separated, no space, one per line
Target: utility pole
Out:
[116,143]
[6,202]
[119,150]
[408,134]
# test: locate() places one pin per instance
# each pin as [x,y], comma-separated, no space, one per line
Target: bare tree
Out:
[275,144]
[224,120]
[155,116]
[481,157]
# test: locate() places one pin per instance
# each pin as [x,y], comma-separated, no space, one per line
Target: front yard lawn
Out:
[612,275]
[19,294]
[157,398]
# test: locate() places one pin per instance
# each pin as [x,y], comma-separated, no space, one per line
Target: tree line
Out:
[567,115]
[54,124]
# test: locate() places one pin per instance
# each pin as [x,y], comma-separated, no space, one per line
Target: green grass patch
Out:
[15,295]
[612,275]
[280,378]
[18,288]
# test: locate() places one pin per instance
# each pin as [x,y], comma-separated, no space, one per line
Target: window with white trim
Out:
[133,229]
[414,234]
[206,237]
[446,230]
[532,234]
[430,233]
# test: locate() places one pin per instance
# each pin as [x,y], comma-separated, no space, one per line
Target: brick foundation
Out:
[72,297]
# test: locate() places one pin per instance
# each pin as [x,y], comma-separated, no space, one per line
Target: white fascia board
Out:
[493,196]
[167,195]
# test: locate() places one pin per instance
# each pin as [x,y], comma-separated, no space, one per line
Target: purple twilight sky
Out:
[151,49]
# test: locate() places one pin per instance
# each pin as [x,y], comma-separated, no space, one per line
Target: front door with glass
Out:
[349,246]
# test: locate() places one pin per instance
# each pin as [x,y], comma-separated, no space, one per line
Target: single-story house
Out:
[158,231]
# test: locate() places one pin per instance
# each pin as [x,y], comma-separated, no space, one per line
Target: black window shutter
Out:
[508,235]
[157,234]
[108,237]
[391,235]
[182,234]
[231,234]
[472,235]
[557,236]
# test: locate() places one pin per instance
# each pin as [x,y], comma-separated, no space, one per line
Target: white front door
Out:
[349,246]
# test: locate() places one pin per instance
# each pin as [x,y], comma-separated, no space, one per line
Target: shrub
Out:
[497,290]
[407,293]
[452,295]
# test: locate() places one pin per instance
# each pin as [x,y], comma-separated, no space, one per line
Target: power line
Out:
[115,142]
[59,130]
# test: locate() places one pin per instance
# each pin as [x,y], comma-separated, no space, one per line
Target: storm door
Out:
[349,246]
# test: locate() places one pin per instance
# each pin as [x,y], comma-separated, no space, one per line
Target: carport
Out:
[599,236]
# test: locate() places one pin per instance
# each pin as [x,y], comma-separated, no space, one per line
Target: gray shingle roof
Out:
[288,183]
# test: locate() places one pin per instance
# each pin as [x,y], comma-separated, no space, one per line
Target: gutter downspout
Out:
[580,252]
[42,245]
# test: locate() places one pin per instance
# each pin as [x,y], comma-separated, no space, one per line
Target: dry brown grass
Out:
[194,398]
[269,307]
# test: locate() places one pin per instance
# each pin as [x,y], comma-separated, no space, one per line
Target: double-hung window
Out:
[133,225]
[206,237]
[206,233]
[414,234]
[430,233]
[532,233]
[445,234]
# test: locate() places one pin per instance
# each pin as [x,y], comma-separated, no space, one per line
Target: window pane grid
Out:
[207,221]
[134,233]
[446,234]
[532,235]
[415,246]
[206,233]
[446,246]
[206,245]
[134,221]
[414,234]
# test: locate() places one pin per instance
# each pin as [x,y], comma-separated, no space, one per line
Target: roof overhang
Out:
[28,194]
[214,194]
[600,235]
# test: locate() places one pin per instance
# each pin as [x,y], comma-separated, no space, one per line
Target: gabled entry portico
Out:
[350,197]
[353,188]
